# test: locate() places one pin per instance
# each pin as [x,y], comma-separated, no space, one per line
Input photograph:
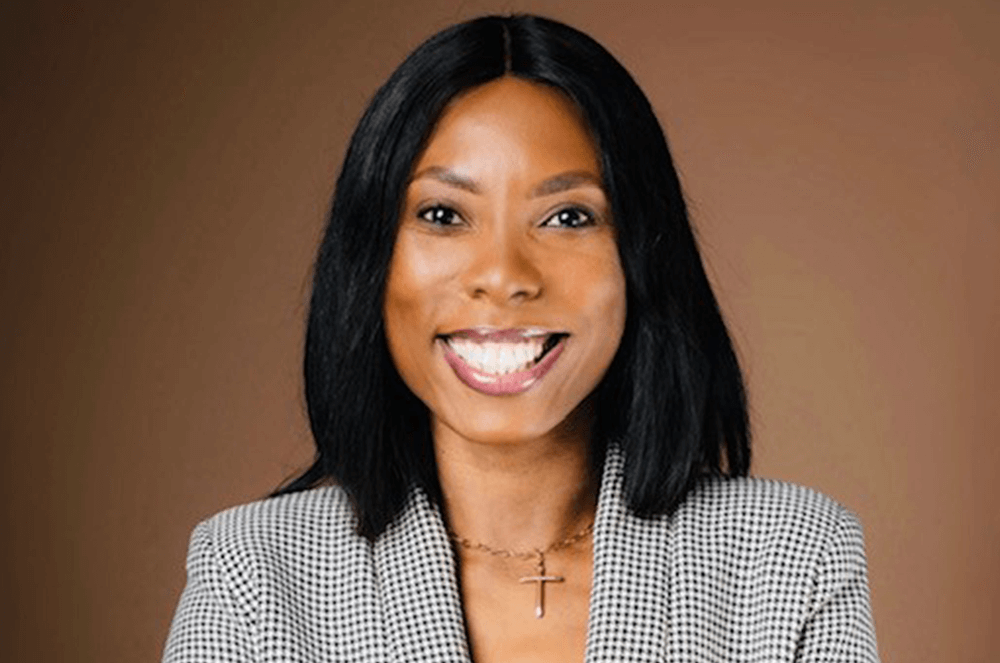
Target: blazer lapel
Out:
[629,601]
[421,602]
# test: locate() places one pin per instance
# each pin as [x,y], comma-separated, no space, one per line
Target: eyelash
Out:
[588,217]
[433,213]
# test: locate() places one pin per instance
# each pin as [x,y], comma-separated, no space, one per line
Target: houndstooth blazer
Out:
[745,570]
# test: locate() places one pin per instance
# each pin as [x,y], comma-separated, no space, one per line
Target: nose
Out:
[504,271]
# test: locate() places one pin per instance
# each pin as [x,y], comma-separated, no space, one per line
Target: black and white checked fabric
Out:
[746,570]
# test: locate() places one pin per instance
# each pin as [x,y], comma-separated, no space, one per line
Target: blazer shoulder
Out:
[780,566]
[263,574]
[319,520]
[766,508]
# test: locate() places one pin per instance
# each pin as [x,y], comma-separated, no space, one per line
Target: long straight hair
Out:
[673,399]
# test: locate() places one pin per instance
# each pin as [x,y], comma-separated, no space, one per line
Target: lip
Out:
[500,385]
[498,335]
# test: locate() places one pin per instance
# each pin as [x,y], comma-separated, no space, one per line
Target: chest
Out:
[518,611]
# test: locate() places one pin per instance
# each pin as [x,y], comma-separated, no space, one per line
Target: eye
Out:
[570,217]
[439,215]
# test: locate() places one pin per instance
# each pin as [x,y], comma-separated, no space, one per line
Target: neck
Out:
[518,497]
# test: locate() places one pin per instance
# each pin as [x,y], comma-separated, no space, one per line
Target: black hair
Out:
[673,398]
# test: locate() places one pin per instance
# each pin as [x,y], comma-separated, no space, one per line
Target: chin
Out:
[526,426]
[505,435]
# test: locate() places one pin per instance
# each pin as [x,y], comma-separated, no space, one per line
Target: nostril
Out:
[504,272]
[506,291]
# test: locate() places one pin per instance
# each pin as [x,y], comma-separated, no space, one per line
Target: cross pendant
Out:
[540,579]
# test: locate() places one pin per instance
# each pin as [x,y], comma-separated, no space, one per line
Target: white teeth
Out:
[490,357]
[499,358]
[521,354]
[506,359]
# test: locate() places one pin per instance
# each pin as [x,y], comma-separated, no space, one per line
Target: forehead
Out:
[511,122]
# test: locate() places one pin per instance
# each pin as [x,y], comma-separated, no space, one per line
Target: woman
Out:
[530,422]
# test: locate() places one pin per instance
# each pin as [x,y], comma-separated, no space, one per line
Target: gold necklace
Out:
[540,577]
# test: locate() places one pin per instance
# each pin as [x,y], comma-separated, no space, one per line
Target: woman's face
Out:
[505,302]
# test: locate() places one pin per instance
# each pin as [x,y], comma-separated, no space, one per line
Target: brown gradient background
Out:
[166,168]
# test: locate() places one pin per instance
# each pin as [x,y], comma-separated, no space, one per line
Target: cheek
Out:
[408,279]
[404,335]
[603,298]
[405,314]
[609,290]
[612,304]
[597,286]
[414,291]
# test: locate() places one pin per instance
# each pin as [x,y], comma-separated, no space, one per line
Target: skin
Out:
[505,224]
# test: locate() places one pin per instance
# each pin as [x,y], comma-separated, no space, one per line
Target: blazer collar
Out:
[415,566]
[629,600]
[629,603]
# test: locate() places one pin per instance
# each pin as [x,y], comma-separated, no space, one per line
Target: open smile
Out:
[502,362]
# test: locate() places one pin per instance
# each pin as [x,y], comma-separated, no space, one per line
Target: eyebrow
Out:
[567,181]
[555,184]
[449,177]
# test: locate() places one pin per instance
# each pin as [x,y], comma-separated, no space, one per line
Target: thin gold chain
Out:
[496,552]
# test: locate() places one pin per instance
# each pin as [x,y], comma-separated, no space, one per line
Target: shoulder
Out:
[777,564]
[754,516]
[263,574]
[315,525]
[315,512]
[764,499]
